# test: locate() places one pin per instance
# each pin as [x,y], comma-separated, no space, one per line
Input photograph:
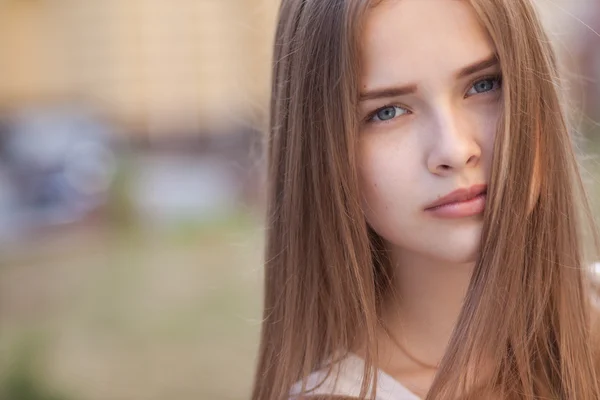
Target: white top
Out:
[348,383]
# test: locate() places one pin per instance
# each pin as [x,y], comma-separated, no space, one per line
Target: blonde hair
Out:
[527,309]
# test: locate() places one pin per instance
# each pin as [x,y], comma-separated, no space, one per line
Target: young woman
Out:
[426,215]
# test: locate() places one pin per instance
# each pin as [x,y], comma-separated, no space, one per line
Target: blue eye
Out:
[387,113]
[485,85]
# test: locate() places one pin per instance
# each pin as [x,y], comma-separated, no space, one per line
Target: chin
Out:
[457,250]
[454,246]
[459,257]
[447,243]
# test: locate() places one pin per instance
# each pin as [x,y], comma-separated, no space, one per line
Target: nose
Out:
[454,143]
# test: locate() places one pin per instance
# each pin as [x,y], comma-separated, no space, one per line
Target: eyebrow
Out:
[488,62]
[388,92]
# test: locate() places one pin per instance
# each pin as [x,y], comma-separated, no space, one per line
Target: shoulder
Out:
[344,380]
[341,380]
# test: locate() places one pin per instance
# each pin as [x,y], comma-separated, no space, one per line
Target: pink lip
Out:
[460,203]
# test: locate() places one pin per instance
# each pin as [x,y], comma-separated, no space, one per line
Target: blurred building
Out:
[158,67]
[188,80]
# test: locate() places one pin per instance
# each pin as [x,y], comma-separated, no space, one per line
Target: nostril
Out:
[472,159]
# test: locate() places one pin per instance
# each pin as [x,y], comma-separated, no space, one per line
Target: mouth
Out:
[463,202]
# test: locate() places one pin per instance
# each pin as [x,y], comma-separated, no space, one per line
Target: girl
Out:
[425,213]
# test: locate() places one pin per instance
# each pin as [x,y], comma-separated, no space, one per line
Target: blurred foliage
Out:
[120,207]
[24,381]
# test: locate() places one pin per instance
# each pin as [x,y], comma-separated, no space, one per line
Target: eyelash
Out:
[496,77]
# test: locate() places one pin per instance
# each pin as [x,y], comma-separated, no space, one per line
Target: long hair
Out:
[526,318]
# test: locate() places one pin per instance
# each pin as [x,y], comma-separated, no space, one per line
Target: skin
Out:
[424,145]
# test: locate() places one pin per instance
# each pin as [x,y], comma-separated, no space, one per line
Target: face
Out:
[429,107]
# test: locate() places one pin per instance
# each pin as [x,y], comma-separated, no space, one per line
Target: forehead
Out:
[406,41]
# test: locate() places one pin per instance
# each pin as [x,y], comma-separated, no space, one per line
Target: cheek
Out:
[388,179]
[491,120]
[486,121]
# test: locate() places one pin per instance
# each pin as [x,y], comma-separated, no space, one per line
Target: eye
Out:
[485,85]
[387,113]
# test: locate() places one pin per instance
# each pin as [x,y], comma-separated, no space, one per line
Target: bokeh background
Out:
[132,187]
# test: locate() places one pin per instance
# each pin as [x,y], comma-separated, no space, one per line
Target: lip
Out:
[460,203]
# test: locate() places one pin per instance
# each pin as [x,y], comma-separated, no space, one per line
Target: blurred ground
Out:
[135,314]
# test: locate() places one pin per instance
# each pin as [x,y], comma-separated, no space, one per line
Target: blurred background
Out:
[131,190]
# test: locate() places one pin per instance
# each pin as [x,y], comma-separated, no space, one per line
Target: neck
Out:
[422,313]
